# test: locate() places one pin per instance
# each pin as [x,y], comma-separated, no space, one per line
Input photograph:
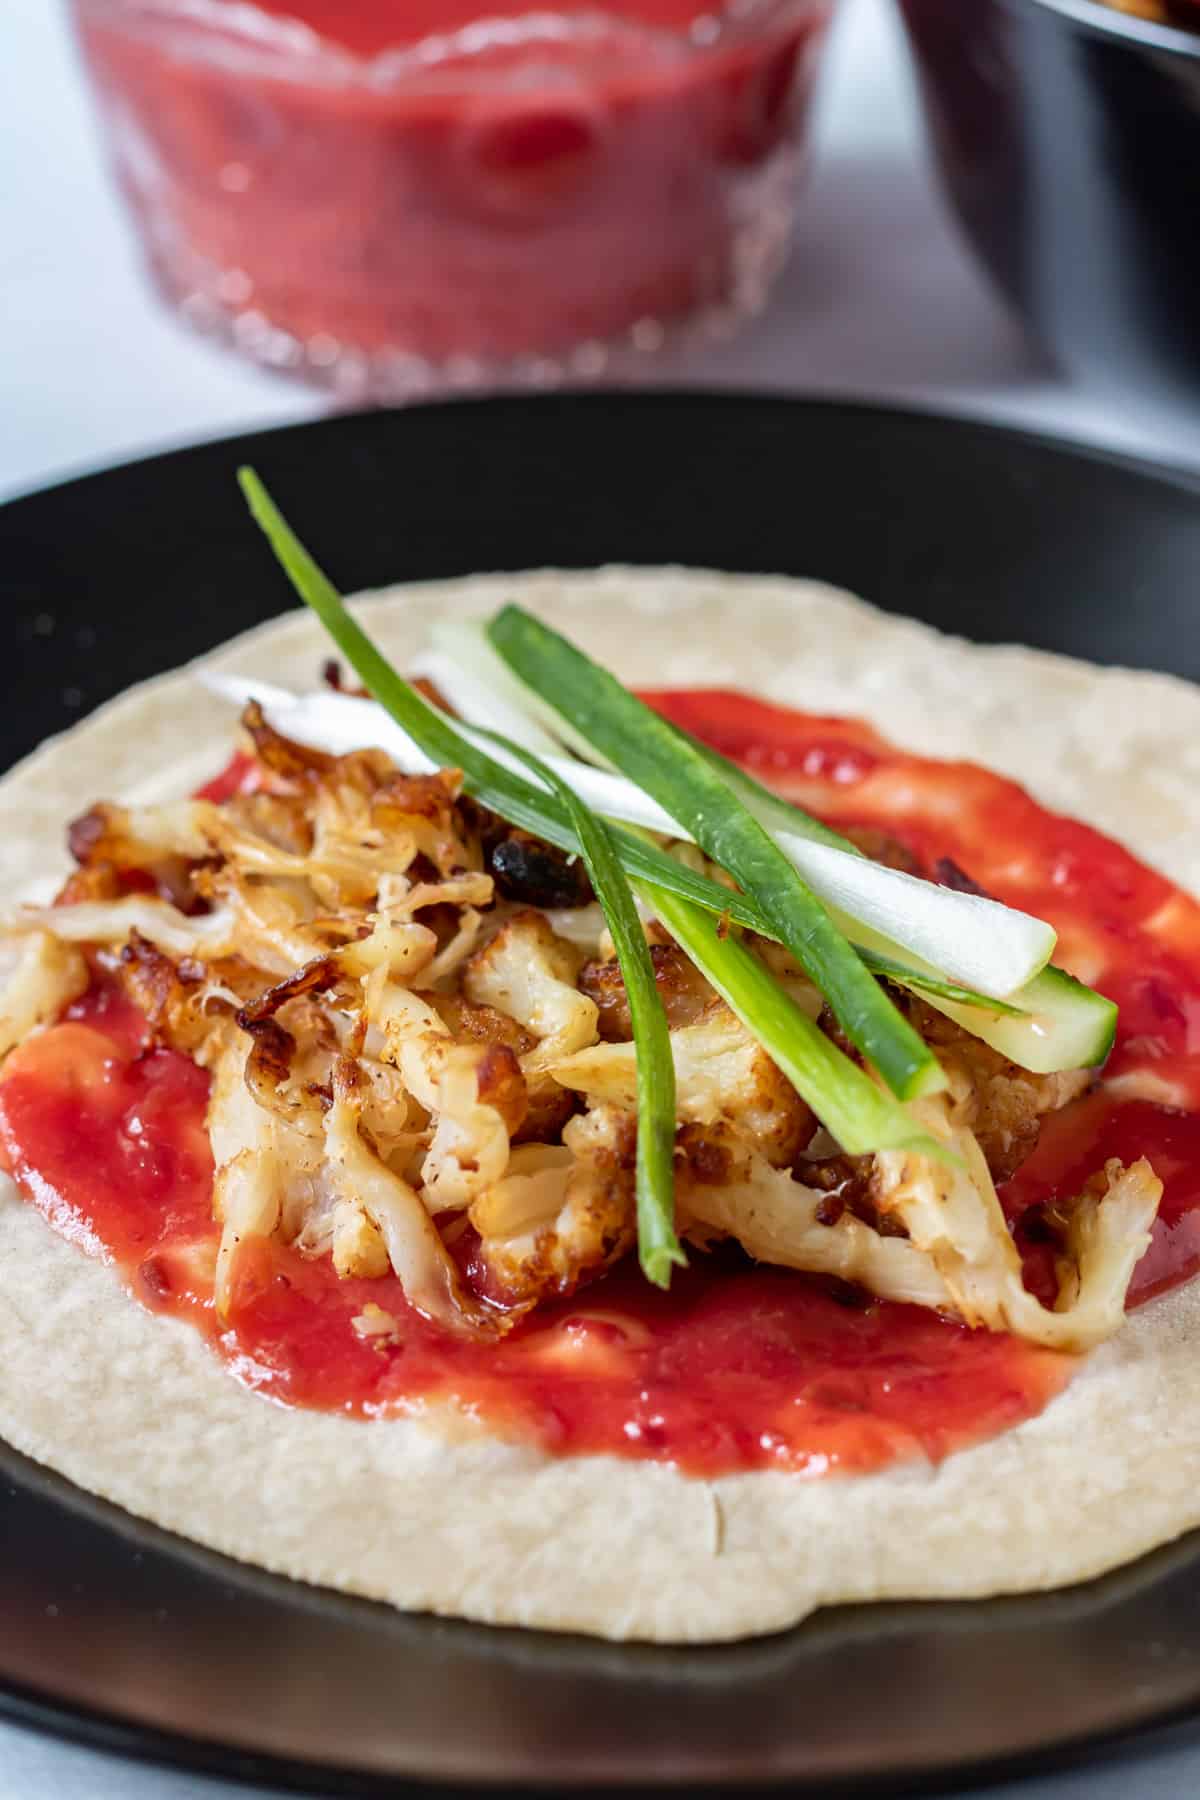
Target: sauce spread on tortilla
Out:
[738,1366]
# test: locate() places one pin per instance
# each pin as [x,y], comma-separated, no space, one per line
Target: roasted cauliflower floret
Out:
[722,1075]
[724,1186]
[475,1093]
[1002,1103]
[356,1242]
[561,1212]
[685,994]
[548,1105]
[530,974]
[951,1214]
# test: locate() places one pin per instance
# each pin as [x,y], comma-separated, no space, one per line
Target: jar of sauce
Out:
[395,196]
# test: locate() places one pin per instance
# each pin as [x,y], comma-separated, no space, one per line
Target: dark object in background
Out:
[1068,135]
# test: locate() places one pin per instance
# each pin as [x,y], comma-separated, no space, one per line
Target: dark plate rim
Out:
[85,1728]
[122,1736]
[1173,474]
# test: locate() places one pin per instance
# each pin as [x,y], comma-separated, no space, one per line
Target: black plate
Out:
[126,1636]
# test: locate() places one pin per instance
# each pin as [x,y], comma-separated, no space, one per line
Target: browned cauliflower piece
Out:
[530,974]
[685,994]
[561,1213]
[548,1104]
[722,1074]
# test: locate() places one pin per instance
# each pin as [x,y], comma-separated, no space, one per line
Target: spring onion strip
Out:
[465,665]
[464,645]
[645,748]
[1064,1025]
[935,988]
[1053,1022]
[521,804]
[860,1115]
[435,738]
[991,948]
[770,809]
[968,939]
[341,723]
[658,1245]
[498,705]
[964,936]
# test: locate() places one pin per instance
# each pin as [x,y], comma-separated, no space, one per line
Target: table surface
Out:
[880,300]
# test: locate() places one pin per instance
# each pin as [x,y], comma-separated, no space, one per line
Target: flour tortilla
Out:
[437,1516]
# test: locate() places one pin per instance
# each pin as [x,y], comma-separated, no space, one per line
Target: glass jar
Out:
[398,196]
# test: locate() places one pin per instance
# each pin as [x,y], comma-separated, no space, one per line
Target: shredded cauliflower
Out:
[414,1068]
[952,1216]
[722,1075]
[727,1187]
[45,975]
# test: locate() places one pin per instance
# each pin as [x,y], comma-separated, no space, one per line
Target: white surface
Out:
[31,1768]
[879,300]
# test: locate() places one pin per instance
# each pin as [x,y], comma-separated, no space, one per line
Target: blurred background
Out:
[879,294]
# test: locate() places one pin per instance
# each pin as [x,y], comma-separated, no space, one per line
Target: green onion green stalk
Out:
[658,1245]
[687,785]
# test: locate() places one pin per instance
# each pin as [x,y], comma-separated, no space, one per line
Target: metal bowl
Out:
[1068,135]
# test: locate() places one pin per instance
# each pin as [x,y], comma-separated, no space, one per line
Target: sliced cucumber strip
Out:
[1064,1025]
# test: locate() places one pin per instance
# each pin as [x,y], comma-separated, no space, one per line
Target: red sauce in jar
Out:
[440,178]
[739,1366]
[370,27]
